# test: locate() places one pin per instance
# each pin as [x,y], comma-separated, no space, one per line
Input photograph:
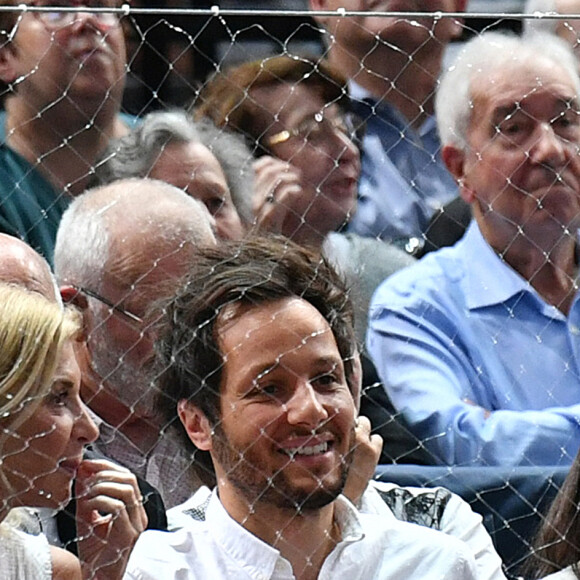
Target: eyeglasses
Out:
[318,128]
[55,19]
[111,305]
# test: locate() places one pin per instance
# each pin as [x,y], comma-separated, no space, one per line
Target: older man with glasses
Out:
[120,249]
[65,74]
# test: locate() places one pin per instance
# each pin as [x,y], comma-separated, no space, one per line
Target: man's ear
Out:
[454,159]
[8,69]
[196,425]
[70,295]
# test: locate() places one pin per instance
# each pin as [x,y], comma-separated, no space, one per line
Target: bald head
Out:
[20,264]
[117,224]
[129,243]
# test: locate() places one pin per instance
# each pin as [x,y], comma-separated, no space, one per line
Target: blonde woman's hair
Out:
[32,333]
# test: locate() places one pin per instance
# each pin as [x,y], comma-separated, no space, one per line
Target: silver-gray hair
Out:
[89,227]
[478,57]
[134,154]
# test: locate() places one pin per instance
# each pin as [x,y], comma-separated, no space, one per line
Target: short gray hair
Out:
[134,154]
[84,238]
[479,56]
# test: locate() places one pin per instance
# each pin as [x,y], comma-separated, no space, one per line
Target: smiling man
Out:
[478,344]
[259,365]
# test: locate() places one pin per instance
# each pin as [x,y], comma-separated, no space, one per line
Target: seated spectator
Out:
[295,116]
[477,344]
[271,400]
[21,265]
[436,508]
[208,163]
[449,224]
[556,548]
[65,76]
[45,429]
[121,249]
[392,64]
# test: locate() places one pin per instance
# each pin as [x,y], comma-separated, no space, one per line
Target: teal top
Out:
[30,206]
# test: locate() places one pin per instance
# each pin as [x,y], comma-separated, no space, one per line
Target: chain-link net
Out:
[319,126]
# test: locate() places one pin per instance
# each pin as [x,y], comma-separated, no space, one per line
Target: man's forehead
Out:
[146,269]
[273,314]
[522,87]
[270,336]
[20,264]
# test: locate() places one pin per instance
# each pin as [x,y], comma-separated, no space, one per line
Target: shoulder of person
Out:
[65,566]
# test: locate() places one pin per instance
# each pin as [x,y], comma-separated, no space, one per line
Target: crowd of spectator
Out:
[215,321]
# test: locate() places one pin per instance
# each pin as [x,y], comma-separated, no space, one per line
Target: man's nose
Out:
[305,407]
[549,148]
[101,22]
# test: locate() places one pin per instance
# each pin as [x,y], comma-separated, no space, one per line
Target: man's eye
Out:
[510,128]
[270,390]
[326,379]
[567,119]
[214,204]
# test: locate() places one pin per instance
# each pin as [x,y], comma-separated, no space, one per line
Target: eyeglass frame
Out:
[352,123]
[71,12]
[115,307]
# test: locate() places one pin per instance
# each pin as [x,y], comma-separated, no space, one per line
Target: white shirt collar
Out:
[246,548]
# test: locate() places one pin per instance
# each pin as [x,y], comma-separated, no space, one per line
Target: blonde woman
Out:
[44,428]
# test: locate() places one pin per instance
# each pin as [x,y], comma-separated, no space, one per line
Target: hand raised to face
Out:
[110,517]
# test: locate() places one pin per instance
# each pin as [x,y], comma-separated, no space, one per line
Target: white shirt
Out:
[566,574]
[372,547]
[23,556]
[457,520]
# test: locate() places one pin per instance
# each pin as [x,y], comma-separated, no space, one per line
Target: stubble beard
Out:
[129,383]
[243,472]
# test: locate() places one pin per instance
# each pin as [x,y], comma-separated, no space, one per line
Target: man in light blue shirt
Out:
[478,344]
[392,65]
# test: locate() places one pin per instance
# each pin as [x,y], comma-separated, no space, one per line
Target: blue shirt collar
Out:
[493,281]
[359,94]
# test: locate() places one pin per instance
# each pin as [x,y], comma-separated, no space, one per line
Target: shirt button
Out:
[574,330]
